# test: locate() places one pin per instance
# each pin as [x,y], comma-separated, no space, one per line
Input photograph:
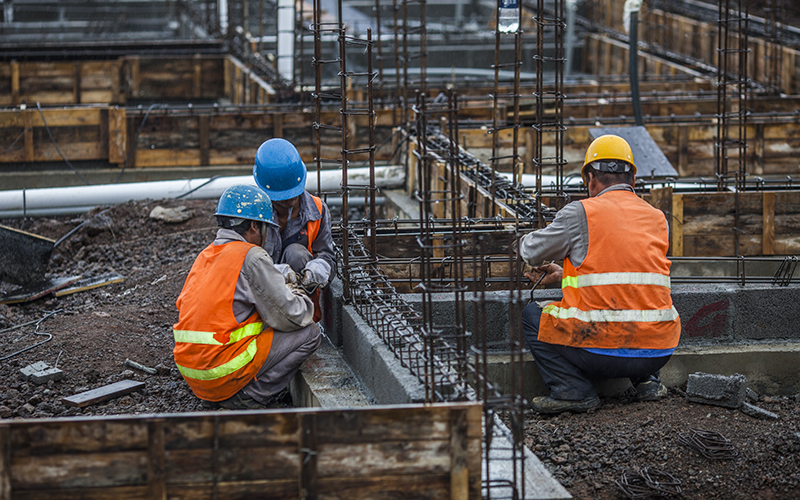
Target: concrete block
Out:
[718,390]
[756,412]
[44,376]
[29,370]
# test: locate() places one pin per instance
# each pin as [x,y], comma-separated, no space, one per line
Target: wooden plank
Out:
[90,470]
[676,245]
[104,393]
[235,464]
[420,487]
[308,456]
[78,436]
[107,493]
[155,460]
[768,228]
[38,290]
[197,86]
[134,83]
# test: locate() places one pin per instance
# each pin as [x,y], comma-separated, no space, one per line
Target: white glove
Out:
[316,273]
[288,273]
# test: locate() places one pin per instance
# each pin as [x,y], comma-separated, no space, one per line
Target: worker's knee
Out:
[297,256]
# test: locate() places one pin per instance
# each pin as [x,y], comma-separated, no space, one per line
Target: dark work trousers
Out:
[566,370]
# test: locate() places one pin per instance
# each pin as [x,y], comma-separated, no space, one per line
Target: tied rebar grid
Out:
[773,30]
[549,99]
[514,195]
[324,132]
[361,80]
[509,163]
[732,24]
[440,194]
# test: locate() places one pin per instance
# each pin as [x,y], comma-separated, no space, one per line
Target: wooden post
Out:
[768,229]
[308,456]
[15,83]
[758,151]
[203,138]
[197,85]
[676,223]
[27,117]
[5,463]
[156,487]
[459,472]
[277,124]
[134,83]
[117,135]
[683,149]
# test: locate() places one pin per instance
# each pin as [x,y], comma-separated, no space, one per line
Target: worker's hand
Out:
[288,273]
[316,273]
[552,272]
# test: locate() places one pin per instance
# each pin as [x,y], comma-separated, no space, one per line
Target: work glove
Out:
[288,273]
[316,273]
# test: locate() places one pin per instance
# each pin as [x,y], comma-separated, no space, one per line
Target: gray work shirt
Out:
[321,248]
[567,235]
[261,287]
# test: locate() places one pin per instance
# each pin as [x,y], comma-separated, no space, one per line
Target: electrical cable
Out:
[56,146]
[136,138]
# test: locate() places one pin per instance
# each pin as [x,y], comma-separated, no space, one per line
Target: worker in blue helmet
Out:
[301,244]
[242,333]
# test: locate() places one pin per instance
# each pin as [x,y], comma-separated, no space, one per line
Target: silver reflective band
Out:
[612,315]
[600,279]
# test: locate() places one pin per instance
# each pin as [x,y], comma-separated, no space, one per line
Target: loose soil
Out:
[94,332]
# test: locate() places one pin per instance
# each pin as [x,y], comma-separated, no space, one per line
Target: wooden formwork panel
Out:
[430,451]
[710,224]
[700,40]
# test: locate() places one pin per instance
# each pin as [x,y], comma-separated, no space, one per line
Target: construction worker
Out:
[616,317]
[242,333]
[300,243]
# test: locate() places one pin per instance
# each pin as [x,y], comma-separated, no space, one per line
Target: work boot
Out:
[546,404]
[209,405]
[241,401]
[650,390]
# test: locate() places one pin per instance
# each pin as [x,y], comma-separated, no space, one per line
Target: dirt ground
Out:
[94,332]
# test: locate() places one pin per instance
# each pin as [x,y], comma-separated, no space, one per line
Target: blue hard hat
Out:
[279,170]
[245,202]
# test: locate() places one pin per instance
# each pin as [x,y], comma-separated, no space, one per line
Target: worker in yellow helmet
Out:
[616,317]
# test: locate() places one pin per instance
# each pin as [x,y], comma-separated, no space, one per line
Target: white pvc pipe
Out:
[286,15]
[80,199]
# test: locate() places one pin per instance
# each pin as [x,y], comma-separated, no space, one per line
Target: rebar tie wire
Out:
[36,332]
[710,444]
[648,483]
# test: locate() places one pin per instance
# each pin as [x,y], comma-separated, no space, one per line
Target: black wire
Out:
[56,145]
[209,181]
[136,138]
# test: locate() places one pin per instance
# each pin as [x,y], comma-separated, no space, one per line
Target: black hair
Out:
[227,223]
[610,178]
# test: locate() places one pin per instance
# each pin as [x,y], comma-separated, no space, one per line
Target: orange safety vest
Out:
[313,229]
[619,297]
[216,354]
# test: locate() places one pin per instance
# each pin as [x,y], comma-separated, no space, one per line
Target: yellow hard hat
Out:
[605,150]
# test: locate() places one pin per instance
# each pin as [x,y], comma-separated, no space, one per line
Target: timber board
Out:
[254,454]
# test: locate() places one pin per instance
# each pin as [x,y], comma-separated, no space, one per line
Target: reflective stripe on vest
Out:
[611,315]
[599,279]
[192,337]
[237,363]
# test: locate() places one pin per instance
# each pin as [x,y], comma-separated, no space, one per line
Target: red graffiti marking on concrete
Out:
[712,328]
